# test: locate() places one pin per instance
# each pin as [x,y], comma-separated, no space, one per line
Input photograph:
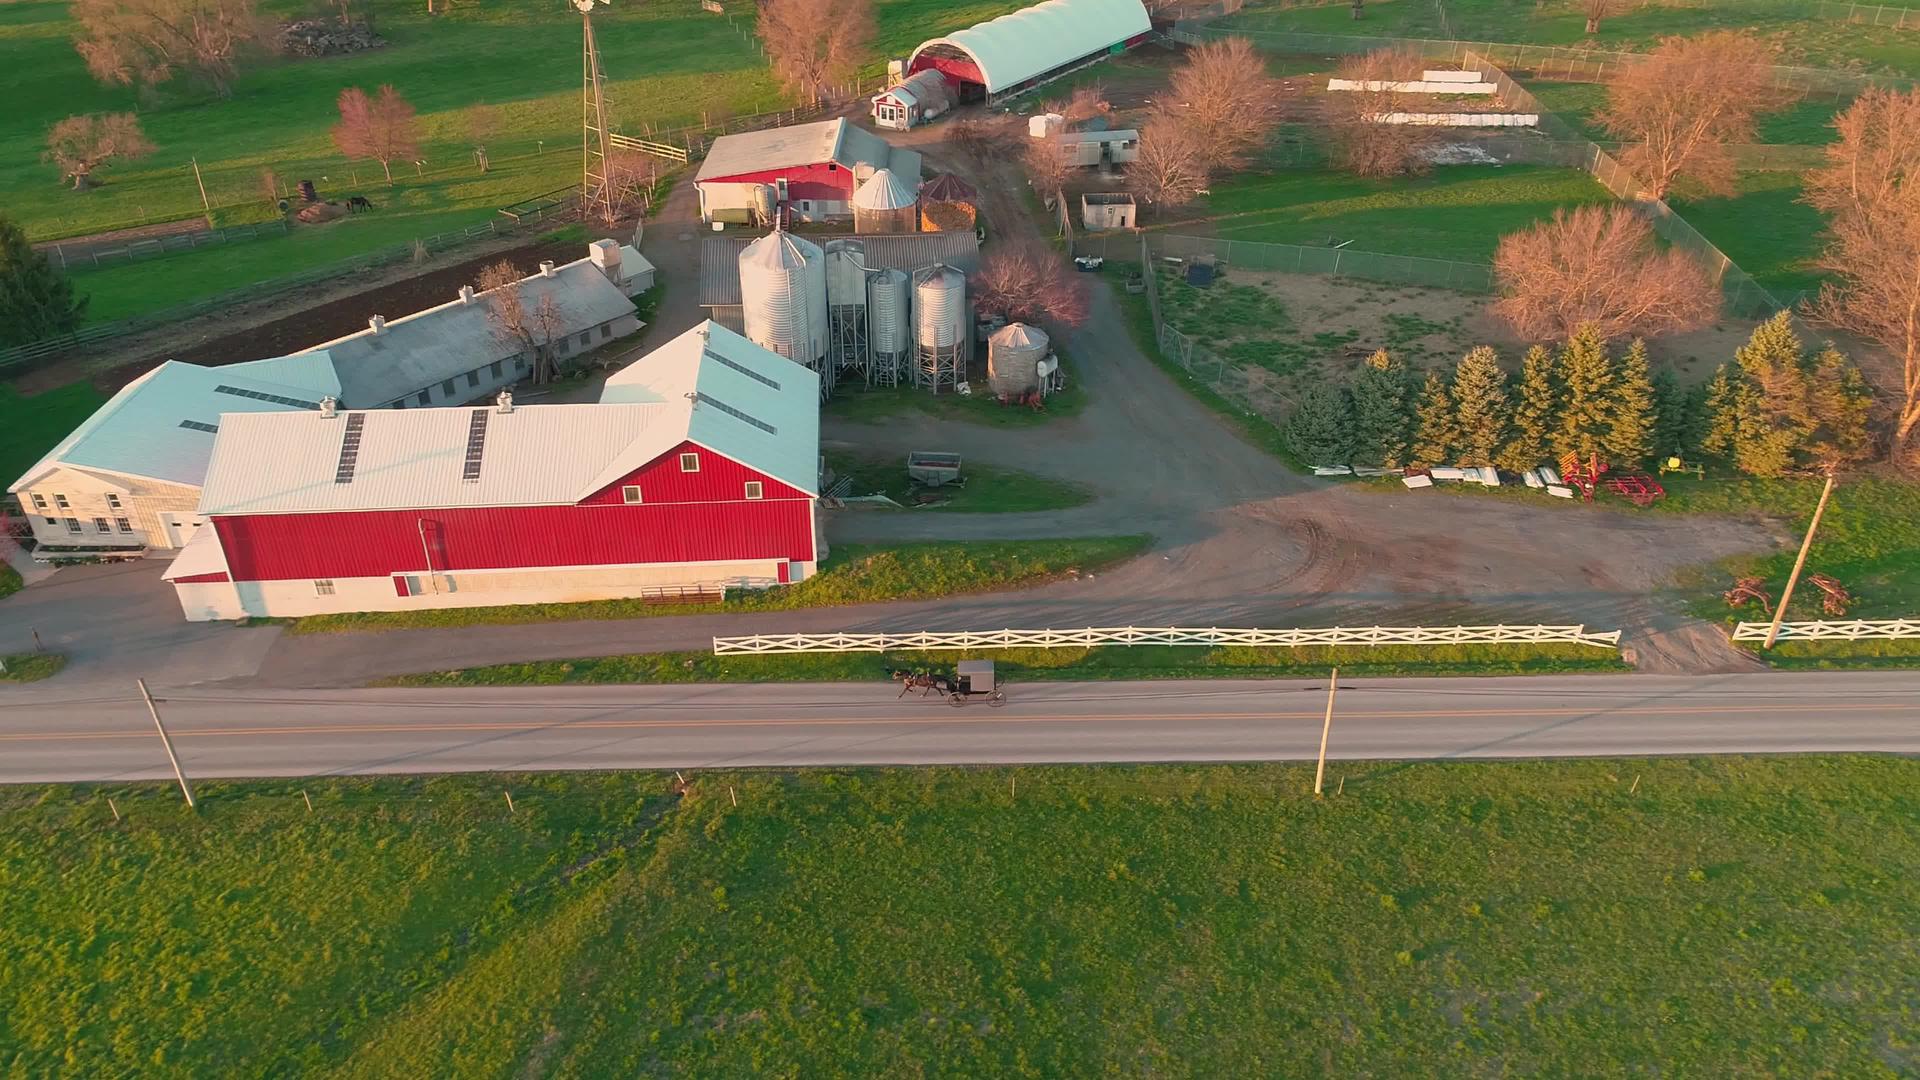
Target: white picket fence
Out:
[1832,630]
[761,644]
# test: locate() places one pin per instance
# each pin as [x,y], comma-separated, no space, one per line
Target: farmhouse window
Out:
[755,489]
[446,388]
[586,338]
[494,370]
[606,331]
[73,526]
[113,501]
[473,378]
[426,396]
[51,522]
[125,525]
[39,502]
[60,501]
[100,526]
[323,587]
[689,462]
[630,494]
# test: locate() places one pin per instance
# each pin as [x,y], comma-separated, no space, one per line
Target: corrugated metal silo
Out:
[783,297]
[847,303]
[1014,353]
[886,203]
[940,337]
[889,330]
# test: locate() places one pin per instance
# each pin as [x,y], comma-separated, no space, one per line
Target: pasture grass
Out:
[1708,916]
[1764,227]
[1842,655]
[987,488]
[1044,665]
[32,425]
[852,574]
[28,667]
[1454,212]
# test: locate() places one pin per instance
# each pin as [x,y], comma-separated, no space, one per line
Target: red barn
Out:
[697,470]
[808,172]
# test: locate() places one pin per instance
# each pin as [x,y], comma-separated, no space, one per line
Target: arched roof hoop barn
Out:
[1022,49]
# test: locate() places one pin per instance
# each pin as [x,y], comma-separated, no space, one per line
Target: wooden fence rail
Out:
[765,644]
[1833,630]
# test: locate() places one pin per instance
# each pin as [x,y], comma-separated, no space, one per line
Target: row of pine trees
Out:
[1772,409]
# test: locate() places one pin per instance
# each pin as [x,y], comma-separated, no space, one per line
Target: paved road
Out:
[241,733]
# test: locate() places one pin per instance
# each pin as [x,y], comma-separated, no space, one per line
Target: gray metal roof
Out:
[428,347]
[804,144]
[720,257]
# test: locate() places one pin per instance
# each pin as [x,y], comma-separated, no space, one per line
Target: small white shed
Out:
[1101,210]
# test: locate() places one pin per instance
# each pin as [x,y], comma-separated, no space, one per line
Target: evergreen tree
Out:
[1718,437]
[1437,432]
[1586,411]
[1481,407]
[1774,360]
[1742,429]
[1533,414]
[1670,415]
[1321,427]
[36,301]
[1380,412]
[1842,400]
[1630,428]
[1693,422]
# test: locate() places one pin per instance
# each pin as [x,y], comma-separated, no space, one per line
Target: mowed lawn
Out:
[1719,917]
[1799,38]
[1764,227]
[1455,212]
[30,426]
[1806,122]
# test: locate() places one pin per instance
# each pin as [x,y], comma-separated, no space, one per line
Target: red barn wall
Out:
[956,69]
[825,181]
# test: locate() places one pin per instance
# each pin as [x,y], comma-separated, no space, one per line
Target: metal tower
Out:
[596,187]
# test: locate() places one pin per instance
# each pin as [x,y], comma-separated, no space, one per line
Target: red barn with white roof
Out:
[696,470]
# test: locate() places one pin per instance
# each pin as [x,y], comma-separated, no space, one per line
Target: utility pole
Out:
[1780,613]
[201,184]
[1320,771]
[185,788]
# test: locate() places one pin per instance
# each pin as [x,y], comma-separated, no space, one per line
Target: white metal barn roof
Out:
[848,145]
[1032,41]
[161,425]
[708,385]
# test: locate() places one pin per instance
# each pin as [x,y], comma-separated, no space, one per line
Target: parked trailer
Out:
[932,468]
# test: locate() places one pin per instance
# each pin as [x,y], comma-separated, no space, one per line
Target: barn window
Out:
[113,501]
[100,525]
[473,379]
[630,494]
[426,396]
[39,502]
[446,388]
[606,331]
[494,370]
[586,338]
[51,522]
[60,501]
[397,403]
[755,489]
[125,525]
[73,526]
[520,362]
[323,587]
[689,462]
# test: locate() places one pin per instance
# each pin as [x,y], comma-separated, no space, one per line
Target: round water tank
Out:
[1014,353]
[783,296]
[939,308]
[763,202]
[887,313]
[846,273]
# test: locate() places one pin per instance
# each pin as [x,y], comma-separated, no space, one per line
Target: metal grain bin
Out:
[1014,353]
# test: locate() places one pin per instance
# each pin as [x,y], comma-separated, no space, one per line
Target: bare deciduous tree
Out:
[982,137]
[1085,103]
[144,43]
[1599,266]
[1682,106]
[1171,168]
[815,43]
[80,145]
[1870,188]
[380,128]
[1596,10]
[1048,163]
[1223,92]
[529,328]
[1026,282]
[1363,143]
[630,180]
[482,123]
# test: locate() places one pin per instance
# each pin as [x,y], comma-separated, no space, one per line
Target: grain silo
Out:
[889,330]
[940,340]
[886,203]
[783,297]
[1014,353]
[847,303]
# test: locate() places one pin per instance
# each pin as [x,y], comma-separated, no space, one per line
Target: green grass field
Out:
[1764,228]
[852,574]
[987,489]
[1048,665]
[1455,212]
[30,426]
[1713,917]
[1807,122]
[1799,39]
[28,667]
